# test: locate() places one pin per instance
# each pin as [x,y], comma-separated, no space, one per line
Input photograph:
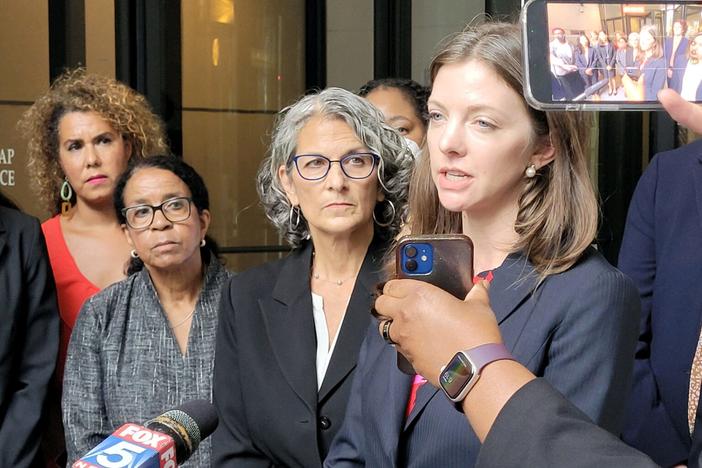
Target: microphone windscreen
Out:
[199,417]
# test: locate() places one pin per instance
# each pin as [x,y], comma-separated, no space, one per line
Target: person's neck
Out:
[179,284]
[93,215]
[340,257]
[493,237]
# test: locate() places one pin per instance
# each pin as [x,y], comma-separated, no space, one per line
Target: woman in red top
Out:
[81,135]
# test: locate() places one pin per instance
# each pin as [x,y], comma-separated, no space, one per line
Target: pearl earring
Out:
[530,171]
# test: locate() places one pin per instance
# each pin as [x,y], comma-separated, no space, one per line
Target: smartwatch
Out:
[463,370]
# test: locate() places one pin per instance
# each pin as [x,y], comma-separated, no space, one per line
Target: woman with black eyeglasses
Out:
[146,343]
[335,185]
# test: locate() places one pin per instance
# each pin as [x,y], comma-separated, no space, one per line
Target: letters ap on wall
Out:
[131,446]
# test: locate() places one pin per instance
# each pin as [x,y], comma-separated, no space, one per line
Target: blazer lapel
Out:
[398,389]
[290,326]
[424,395]
[355,323]
[512,283]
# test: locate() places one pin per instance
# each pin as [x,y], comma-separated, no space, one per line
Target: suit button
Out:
[324,423]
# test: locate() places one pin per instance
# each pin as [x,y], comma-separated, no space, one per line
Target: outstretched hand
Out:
[430,325]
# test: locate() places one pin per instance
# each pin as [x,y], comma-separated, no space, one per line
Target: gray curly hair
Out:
[394,169]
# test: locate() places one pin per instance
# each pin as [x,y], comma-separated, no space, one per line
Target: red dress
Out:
[72,289]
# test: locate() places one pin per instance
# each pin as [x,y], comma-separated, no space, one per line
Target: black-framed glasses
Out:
[353,165]
[174,210]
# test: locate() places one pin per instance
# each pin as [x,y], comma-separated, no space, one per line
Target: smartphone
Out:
[604,55]
[446,261]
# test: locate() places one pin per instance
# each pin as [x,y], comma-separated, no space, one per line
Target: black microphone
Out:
[188,425]
[161,442]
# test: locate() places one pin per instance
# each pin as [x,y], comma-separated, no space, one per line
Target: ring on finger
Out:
[385,332]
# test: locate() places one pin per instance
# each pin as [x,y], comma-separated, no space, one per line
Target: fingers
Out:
[685,113]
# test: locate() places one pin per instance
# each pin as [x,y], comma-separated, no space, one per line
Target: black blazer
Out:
[539,427]
[28,336]
[577,330]
[265,378]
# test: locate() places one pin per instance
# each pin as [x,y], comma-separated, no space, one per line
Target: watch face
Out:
[456,375]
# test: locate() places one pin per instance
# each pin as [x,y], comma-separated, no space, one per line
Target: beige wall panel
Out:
[226,149]
[100,37]
[574,17]
[433,20]
[349,43]
[24,48]
[14,180]
[242,54]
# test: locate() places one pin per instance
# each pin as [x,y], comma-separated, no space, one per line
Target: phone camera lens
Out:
[411,265]
[411,251]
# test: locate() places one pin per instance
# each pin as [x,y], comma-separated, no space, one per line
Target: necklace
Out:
[182,321]
[336,282]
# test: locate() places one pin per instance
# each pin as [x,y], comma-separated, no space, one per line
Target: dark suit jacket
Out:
[654,75]
[679,62]
[578,330]
[584,61]
[661,253]
[539,427]
[265,379]
[28,336]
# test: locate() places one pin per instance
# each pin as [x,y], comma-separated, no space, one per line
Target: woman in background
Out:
[81,134]
[335,186]
[653,71]
[606,58]
[586,60]
[146,343]
[675,52]
[403,102]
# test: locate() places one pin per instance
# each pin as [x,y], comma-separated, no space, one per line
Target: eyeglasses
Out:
[354,165]
[174,210]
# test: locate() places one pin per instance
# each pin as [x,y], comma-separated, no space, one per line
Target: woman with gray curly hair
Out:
[81,133]
[335,184]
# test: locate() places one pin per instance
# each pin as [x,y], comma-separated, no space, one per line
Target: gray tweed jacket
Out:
[124,364]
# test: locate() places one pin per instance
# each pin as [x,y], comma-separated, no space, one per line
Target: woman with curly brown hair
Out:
[81,134]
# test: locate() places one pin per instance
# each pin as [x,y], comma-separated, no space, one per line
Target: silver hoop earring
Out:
[530,171]
[134,254]
[392,217]
[203,243]
[294,210]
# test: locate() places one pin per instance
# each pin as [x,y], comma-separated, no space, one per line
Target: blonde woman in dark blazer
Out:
[335,186]
[515,181]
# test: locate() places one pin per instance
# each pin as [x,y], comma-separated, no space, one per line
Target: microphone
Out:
[165,441]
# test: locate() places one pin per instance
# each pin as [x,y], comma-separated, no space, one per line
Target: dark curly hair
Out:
[186,173]
[415,93]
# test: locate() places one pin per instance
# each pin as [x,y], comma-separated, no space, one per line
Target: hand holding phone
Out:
[446,261]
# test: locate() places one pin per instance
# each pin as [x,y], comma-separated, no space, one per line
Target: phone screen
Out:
[608,55]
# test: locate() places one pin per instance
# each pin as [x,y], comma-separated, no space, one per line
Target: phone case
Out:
[451,269]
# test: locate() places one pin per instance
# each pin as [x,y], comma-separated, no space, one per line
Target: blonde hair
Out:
[557,210]
[124,109]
